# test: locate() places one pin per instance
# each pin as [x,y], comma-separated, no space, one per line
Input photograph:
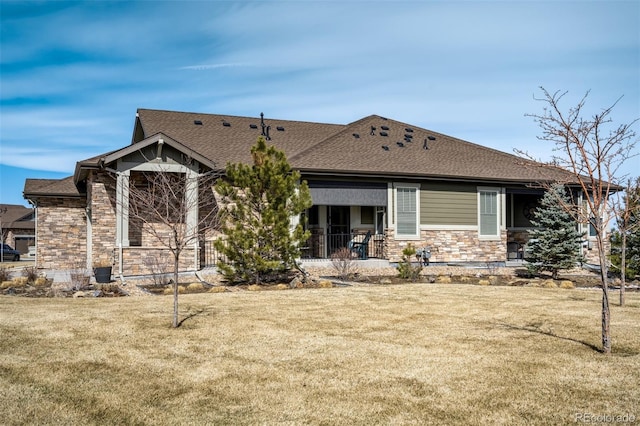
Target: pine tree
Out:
[555,244]
[258,203]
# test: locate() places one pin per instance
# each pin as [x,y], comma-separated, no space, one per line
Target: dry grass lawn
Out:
[401,354]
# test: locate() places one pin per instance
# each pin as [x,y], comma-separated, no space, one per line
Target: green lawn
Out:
[397,354]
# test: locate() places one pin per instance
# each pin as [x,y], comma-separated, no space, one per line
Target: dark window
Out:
[366,215]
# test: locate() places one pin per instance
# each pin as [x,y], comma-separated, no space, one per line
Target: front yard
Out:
[368,354]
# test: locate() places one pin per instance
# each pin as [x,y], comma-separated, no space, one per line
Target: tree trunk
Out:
[175,291]
[606,314]
[623,266]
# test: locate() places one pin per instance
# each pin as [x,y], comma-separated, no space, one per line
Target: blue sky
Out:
[74,73]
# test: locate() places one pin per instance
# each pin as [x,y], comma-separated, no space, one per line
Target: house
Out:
[17,227]
[398,183]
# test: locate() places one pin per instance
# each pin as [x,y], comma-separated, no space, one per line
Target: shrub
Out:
[567,284]
[342,261]
[30,273]
[40,282]
[195,287]
[325,284]
[19,282]
[217,289]
[169,290]
[405,268]
[159,268]
[4,275]
[79,280]
[6,284]
[549,284]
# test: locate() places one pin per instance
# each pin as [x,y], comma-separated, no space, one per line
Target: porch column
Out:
[191,198]
[122,209]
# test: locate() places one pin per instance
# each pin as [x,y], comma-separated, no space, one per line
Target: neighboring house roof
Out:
[51,188]
[15,216]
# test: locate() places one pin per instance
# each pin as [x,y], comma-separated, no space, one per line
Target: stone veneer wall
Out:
[61,233]
[135,259]
[591,255]
[451,246]
[141,260]
[101,190]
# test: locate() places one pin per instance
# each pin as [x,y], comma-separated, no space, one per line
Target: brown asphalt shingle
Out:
[355,148]
[334,148]
[51,187]
[223,144]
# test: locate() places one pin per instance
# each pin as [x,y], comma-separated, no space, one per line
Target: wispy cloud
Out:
[206,67]
[70,89]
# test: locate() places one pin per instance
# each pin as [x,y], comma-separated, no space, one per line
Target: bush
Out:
[4,275]
[40,282]
[567,284]
[159,268]
[19,282]
[195,287]
[342,261]
[406,270]
[30,273]
[325,284]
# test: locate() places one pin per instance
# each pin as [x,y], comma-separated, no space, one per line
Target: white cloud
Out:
[469,69]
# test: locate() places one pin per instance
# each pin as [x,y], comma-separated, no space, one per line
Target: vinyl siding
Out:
[448,204]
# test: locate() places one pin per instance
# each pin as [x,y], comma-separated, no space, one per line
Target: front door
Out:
[338,223]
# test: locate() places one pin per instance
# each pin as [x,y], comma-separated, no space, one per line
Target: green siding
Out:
[448,204]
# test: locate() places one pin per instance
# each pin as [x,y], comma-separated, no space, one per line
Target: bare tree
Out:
[175,209]
[593,150]
[626,209]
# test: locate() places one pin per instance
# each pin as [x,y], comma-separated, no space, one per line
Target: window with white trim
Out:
[407,211]
[488,212]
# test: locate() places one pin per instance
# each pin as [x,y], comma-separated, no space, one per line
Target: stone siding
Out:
[101,190]
[149,260]
[452,246]
[61,233]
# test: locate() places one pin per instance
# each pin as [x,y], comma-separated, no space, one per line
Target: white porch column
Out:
[192,201]
[122,209]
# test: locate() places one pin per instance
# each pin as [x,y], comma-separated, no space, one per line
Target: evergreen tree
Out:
[258,203]
[555,244]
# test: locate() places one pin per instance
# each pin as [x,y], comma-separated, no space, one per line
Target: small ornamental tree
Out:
[555,243]
[258,203]
[592,149]
[173,209]
[625,241]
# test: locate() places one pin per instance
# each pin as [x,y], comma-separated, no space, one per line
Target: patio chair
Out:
[361,248]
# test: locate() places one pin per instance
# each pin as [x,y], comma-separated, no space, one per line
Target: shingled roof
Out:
[66,187]
[225,138]
[374,146]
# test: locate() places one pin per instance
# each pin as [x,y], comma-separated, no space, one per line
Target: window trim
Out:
[499,213]
[415,187]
